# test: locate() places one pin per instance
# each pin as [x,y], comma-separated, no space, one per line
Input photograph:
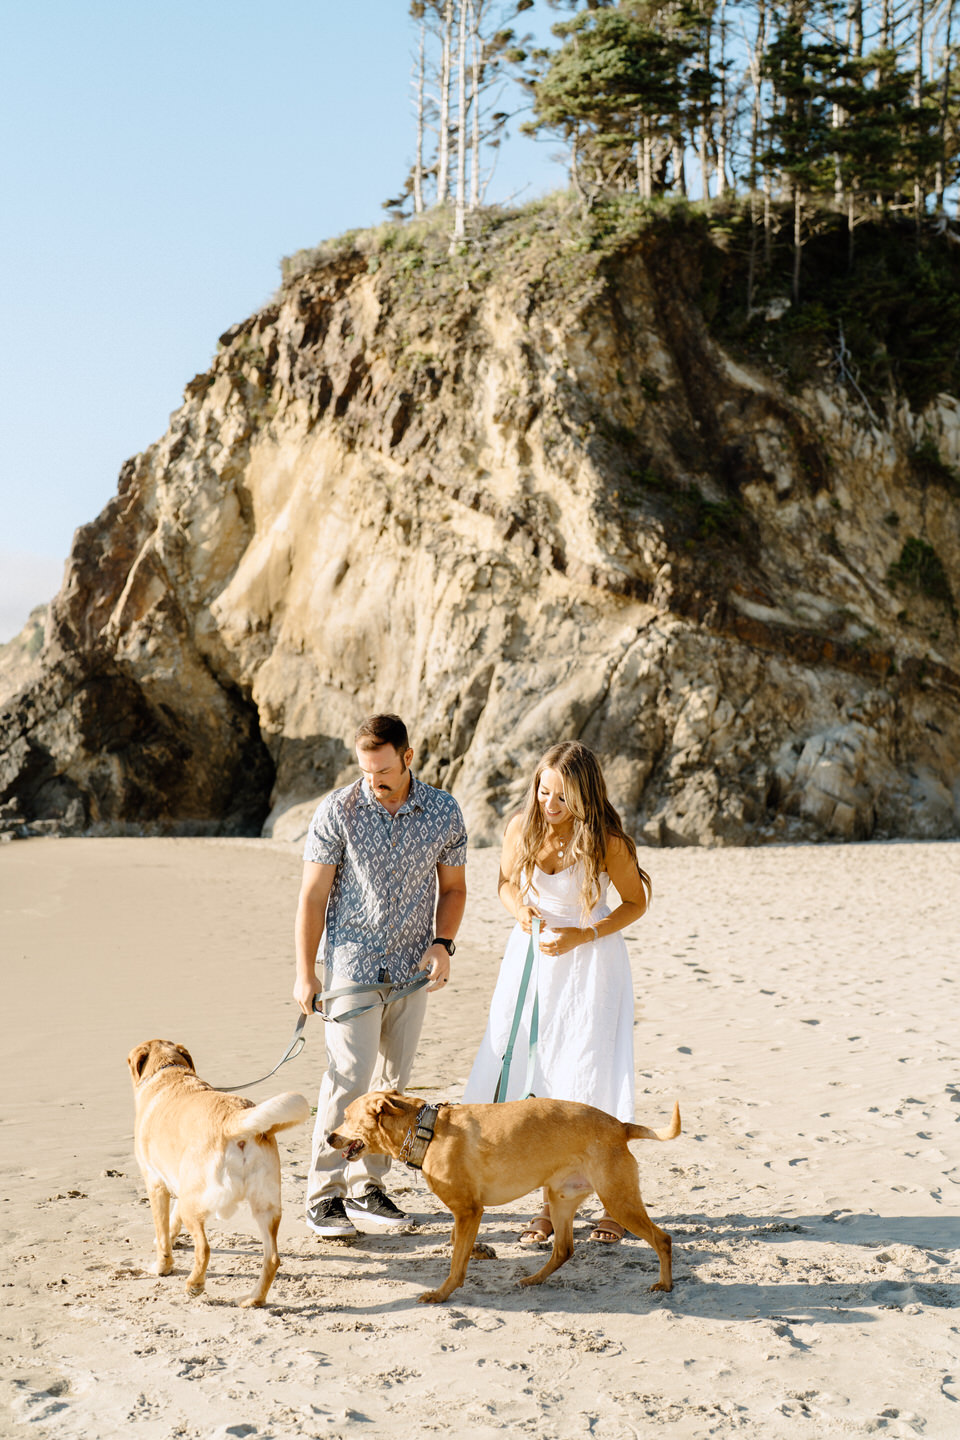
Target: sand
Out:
[800,1003]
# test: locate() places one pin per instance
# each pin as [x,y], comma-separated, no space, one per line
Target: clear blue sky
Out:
[160,156]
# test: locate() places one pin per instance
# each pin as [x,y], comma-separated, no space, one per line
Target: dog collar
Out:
[418,1137]
[170,1065]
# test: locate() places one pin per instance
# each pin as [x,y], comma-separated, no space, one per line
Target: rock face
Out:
[517,495]
[20,657]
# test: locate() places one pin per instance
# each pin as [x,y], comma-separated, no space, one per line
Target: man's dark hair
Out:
[379,730]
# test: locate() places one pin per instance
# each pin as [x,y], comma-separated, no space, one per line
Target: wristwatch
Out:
[448,945]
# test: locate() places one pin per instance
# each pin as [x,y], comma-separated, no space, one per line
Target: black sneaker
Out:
[376,1209]
[328,1217]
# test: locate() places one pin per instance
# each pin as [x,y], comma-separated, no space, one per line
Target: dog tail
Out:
[640,1132]
[278,1113]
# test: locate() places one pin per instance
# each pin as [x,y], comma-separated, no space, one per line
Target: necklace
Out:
[562,846]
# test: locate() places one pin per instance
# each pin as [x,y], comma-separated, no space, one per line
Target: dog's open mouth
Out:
[349,1148]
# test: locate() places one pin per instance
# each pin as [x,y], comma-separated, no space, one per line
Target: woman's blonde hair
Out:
[595,821]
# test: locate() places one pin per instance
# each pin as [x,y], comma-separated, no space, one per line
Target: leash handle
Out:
[398,992]
[531,963]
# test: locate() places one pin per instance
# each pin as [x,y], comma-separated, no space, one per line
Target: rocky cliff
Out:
[519,493]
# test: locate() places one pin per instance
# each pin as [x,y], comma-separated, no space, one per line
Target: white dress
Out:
[585,1045]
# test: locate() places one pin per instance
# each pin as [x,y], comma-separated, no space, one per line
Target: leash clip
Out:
[418,1137]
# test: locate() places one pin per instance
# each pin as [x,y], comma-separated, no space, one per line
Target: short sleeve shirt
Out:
[380,912]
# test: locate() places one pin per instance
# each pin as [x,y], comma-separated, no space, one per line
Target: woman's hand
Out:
[526,914]
[562,940]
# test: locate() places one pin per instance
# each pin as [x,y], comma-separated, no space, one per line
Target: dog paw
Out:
[250,1302]
[162,1267]
[431,1297]
[483,1252]
[662,1285]
[195,1289]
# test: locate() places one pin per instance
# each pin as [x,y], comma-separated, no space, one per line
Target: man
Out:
[380,854]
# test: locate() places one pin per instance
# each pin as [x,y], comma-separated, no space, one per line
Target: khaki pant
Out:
[374,1051]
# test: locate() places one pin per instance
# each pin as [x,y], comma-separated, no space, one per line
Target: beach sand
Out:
[801,1004]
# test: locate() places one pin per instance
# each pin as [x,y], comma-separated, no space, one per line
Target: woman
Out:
[558,856]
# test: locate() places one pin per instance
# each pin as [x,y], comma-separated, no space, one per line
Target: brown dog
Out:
[490,1154]
[209,1151]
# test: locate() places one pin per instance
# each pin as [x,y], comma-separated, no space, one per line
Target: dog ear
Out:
[182,1050]
[138,1058]
[387,1104]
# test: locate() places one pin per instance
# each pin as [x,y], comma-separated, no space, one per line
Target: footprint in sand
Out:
[36,1405]
[463,1322]
[144,1409]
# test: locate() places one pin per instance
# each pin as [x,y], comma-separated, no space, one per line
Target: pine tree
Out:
[615,92]
[801,66]
[817,107]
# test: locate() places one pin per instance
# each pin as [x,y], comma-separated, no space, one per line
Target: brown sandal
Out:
[607,1231]
[537,1231]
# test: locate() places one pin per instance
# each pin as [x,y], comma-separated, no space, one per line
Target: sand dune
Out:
[800,1003]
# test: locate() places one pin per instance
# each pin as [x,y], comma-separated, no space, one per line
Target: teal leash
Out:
[531,964]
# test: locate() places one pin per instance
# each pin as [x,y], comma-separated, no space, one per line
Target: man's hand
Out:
[304,990]
[437,961]
[311,916]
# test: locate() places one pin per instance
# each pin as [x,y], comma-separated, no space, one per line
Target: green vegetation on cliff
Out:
[887,325]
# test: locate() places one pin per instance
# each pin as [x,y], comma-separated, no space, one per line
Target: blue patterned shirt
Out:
[382,903]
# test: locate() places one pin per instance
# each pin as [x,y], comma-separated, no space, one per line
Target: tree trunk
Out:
[706,135]
[752,262]
[944,111]
[577,177]
[461,123]
[754,55]
[755,58]
[918,196]
[851,226]
[443,151]
[679,168]
[837,116]
[418,164]
[475,44]
[647,160]
[797,241]
[722,134]
[855,26]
